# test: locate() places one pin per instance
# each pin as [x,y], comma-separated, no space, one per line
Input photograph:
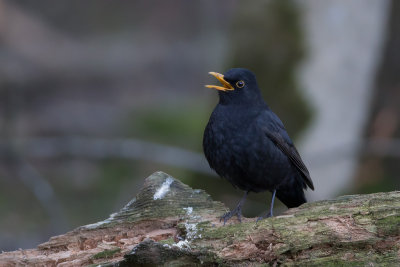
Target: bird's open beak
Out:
[226,86]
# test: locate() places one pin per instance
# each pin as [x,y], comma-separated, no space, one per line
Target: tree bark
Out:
[169,223]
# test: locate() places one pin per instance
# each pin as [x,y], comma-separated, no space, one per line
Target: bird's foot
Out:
[230,214]
[267,215]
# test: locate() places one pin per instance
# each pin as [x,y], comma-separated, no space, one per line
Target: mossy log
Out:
[170,224]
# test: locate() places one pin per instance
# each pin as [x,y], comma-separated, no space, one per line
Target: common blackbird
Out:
[247,144]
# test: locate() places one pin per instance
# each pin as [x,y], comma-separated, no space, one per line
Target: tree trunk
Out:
[168,223]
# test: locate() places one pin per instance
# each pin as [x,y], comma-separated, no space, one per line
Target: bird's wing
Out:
[287,147]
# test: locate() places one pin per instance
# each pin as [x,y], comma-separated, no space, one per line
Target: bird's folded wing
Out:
[291,152]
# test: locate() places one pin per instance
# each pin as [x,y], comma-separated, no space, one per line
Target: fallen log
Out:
[169,223]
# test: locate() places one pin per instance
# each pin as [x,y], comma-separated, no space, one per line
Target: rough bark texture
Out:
[168,223]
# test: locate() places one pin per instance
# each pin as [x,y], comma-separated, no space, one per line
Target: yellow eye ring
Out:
[240,84]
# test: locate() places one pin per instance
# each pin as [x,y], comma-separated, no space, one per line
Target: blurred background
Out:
[97,95]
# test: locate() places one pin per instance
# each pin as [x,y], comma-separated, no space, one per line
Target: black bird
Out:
[247,144]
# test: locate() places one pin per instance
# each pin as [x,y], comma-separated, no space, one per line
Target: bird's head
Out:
[238,86]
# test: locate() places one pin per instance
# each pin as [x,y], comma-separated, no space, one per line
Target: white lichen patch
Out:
[191,231]
[191,228]
[128,206]
[183,244]
[189,210]
[95,225]
[133,251]
[112,216]
[164,189]
[166,246]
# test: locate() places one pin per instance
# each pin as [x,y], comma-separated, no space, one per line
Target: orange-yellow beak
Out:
[225,85]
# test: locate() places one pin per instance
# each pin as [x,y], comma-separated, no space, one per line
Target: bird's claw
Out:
[230,214]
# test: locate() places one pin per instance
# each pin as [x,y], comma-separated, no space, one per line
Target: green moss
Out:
[169,241]
[108,253]
[366,222]
[228,232]
[350,258]
[389,226]
[329,262]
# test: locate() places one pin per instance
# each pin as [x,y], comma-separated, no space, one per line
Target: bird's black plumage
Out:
[246,143]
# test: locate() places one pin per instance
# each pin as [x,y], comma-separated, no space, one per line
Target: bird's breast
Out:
[239,151]
[228,144]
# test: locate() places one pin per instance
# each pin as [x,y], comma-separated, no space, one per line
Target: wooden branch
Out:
[168,223]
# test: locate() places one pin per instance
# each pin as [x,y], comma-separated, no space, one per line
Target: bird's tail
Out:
[291,196]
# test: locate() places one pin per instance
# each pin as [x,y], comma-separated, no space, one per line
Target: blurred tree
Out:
[379,171]
[267,38]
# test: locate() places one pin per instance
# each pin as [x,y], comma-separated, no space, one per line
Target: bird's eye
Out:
[240,84]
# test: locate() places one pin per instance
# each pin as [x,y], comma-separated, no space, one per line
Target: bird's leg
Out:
[271,210]
[237,211]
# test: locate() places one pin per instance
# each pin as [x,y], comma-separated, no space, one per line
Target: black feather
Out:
[246,143]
